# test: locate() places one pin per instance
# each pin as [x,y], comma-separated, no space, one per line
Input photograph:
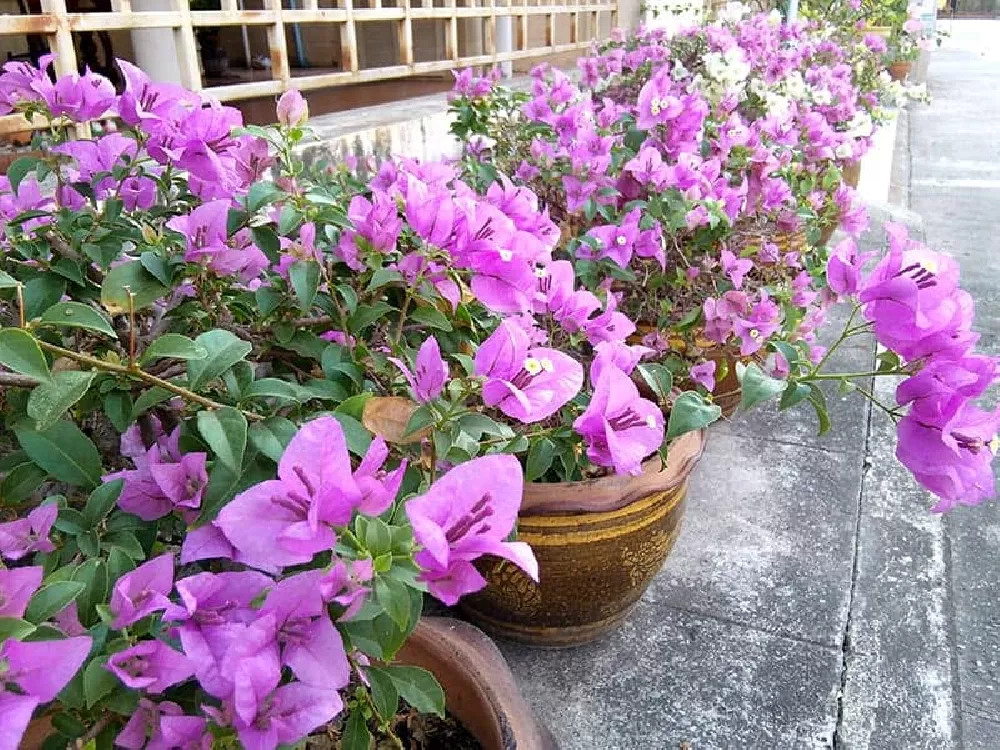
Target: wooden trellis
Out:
[579,21]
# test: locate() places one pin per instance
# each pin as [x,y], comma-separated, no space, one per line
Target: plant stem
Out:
[849,375]
[838,342]
[13,380]
[135,372]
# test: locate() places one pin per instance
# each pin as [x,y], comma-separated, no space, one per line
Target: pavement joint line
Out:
[952,619]
[981,716]
[847,651]
[736,431]
[784,635]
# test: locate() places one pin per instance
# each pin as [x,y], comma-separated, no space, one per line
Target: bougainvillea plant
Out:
[200,543]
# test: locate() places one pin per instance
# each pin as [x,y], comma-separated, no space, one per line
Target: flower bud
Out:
[292,109]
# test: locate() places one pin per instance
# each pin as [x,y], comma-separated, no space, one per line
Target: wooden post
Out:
[349,40]
[187,48]
[406,36]
[278,46]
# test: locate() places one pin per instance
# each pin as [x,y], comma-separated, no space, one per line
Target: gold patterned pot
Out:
[599,543]
[900,70]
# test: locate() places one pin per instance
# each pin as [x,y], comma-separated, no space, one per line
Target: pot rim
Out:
[609,494]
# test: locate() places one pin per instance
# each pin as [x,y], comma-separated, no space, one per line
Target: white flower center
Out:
[506,255]
[533,366]
[651,421]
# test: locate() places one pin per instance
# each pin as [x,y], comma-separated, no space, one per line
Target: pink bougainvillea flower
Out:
[292,109]
[616,354]
[609,325]
[703,374]
[288,520]
[619,427]
[16,711]
[310,644]
[151,666]
[378,487]
[942,386]
[144,727]
[17,585]
[467,513]
[735,268]
[344,584]
[953,460]
[288,714]
[142,591]
[527,384]
[42,668]
[31,534]
[429,374]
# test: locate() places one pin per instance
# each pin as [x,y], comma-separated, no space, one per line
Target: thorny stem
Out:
[849,375]
[135,372]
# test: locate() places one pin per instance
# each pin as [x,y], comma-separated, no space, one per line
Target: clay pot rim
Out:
[603,498]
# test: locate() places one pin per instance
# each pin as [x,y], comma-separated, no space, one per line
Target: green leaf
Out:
[476,425]
[94,575]
[383,276]
[224,350]
[365,315]
[158,267]
[52,598]
[422,417]
[432,317]
[51,399]
[757,385]
[691,411]
[272,388]
[394,597]
[795,393]
[97,681]
[68,725]
[20,352]
[63,451]
[272,436]
[418,687]
[225,431]
[304,277]
[7,281]
[539,459]
[77,315]
[12,627]
[19,169]
[128,278]
[358,438]
[127,542]
[20,482]
[261,194]
[41,293]
[118,407]
[383,691]
[150,398]
[356,735]
[101,502]
[354,406]
[659,379]
[818,399]
[174,346]
[119,563]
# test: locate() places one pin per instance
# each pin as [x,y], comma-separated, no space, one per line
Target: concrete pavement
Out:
[811,600]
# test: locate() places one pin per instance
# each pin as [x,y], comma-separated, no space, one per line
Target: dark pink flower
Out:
[467,513]
[429,374]
[17,585]
[142,591]
[703,374]
[31,534]
[527,384]
[619,427]
[42,668]
[151,666]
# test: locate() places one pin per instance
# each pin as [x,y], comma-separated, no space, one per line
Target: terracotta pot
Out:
[479,688]
[599,543]
[851,172]
[900,70]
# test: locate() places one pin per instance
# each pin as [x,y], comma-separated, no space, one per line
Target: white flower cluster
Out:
[861,125]
[732,13]
[729,69]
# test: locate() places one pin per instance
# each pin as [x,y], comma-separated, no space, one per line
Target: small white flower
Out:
[844,151]
[822,97]
[506,255]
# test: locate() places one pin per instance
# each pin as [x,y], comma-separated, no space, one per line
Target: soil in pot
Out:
[599,544]
[415,730]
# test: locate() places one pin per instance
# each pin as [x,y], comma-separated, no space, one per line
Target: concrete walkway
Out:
[811,600]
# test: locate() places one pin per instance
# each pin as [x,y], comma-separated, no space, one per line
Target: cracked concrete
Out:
[812,601]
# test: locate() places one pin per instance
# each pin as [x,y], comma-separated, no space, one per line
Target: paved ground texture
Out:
[812,601]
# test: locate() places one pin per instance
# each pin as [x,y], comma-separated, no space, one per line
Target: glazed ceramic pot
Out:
[599,543]
[479,689]
[900,70]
